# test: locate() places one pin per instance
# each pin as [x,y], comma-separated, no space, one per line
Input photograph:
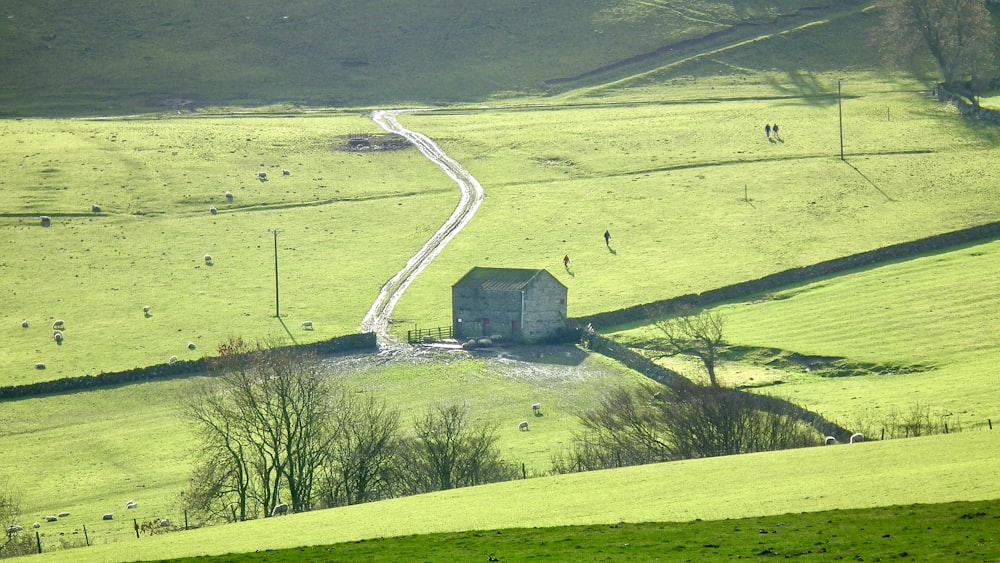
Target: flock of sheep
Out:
[130,505]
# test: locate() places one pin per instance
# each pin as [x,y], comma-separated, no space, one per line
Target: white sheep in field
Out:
[36,525]
[229,195]
[13,529]
[522,426]
[829,441]
[308,325]
[45,220]
[285,172]
[213,210]
[24,323]
[57,336]
[39,365]
[63,514]
[279,509]
[208,259]
[108,516]
[59,325]
[536,408]
[172,360]
[95,208]
[165,523]
[191,346]
[51,519]
[130,505]
[146,309]
[857,437]
[262,176]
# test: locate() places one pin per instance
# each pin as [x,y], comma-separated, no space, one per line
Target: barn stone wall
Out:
[545,308]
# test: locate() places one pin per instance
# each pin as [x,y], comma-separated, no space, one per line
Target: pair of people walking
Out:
[771,130]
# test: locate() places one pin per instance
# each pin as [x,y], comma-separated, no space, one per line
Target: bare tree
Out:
[12,542]
[647,425]
[362,458]
[265,428]
[448,451]
[959,35]
[694,335]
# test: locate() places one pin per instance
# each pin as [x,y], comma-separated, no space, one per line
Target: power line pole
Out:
[277,309]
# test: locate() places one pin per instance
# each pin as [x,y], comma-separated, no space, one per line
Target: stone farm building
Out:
[517,304]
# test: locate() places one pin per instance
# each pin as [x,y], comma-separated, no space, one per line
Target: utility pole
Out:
[277,309]
[840,112]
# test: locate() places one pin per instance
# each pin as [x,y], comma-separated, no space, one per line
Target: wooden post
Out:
[524,472]
[38,539]
[86,537]
[185,519]
[135,523]
[745,197]
[990,422]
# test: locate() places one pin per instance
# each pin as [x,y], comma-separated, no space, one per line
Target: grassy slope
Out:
[924,470]
[114,57]
[783,82]
[938,311]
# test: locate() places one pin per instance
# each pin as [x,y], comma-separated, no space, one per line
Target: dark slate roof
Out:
[499,279]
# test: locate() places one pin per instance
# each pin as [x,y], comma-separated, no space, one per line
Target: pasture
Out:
[668,154]
[926,470]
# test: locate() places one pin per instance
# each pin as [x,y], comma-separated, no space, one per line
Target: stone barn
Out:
[517,304]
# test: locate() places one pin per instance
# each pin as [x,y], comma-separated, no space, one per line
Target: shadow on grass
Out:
[869,180]
[288,332]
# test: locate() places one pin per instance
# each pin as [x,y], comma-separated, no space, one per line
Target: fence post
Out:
[38,539]
[135,523]
[990,422]
[86,537]
[185,519]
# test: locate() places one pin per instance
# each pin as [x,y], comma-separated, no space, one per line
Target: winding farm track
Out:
[377,318]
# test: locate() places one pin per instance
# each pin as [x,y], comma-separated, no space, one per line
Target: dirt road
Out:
[377,318]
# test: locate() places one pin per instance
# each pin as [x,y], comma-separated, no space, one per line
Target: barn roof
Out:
[500,279]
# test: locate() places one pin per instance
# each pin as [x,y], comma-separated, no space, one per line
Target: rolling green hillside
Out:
[641,117]
[114,57]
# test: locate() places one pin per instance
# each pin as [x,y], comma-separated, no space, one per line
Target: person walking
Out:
[607,238]
[774,129]
[767,130]
[566,261]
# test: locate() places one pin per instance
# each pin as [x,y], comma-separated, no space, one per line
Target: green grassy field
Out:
[935,469]
[930,322]
[668,153]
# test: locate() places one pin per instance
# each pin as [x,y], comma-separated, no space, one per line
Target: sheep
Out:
[59,325]
[829,441]
[857,437]
[63,514]
[308,325]
[14,528]
[262,176]
[228,194]
[213,210]
[51,519]
[285,172]
[130,505]
[208,259]
[172,360]
[58,336]
[165,523]
[279,509]
[95,208]
[522,426]
[24,323]
[108,516]
[45,220]
[191,346]
[36,525]
[39,365]
[145,310]
[536,408]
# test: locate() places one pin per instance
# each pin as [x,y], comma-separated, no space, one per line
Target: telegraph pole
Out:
[277,309]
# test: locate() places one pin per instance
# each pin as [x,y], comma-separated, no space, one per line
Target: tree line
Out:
[274,430]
